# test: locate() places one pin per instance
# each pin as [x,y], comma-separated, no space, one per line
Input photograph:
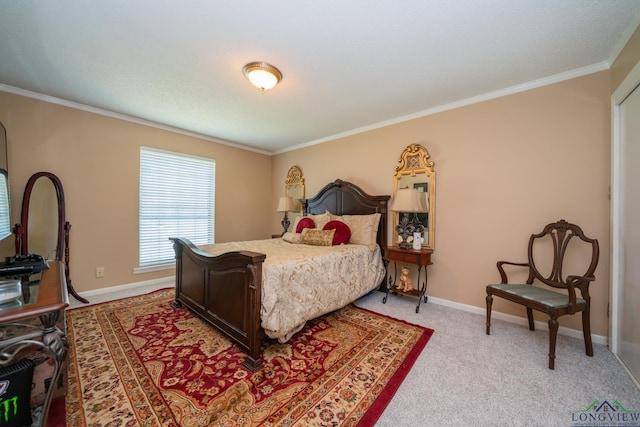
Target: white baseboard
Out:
[597,339]
[129,286]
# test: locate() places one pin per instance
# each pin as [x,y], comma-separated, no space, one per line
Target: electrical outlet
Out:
[99,271]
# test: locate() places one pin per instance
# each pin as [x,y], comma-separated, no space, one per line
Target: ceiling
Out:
[348,66]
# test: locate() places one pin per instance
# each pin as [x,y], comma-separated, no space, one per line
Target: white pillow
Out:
[364,228]
[292,237]
[320,219]
[295,222]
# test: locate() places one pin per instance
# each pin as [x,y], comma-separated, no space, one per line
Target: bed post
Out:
[178,251]
[253,362]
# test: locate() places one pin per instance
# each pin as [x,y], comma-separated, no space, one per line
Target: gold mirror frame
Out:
[294,187]
[416,171]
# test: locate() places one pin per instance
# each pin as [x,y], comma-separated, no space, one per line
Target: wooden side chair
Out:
[555,304]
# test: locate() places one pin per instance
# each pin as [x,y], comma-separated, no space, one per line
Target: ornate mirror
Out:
[294,187]
[415,172]
[43,229]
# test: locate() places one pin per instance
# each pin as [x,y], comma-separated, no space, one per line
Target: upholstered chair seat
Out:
[537,294]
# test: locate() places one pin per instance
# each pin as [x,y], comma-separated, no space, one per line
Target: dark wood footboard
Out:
[225,290]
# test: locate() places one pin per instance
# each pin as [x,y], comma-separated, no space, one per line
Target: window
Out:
[5,208]
[177,199]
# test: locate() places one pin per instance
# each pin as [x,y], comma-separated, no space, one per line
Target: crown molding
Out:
[556,78]
[120,116]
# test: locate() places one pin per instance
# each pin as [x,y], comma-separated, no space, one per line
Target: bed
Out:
[240,286]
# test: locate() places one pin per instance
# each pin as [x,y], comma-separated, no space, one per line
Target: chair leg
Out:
[489,302]
[586,330]
[553,334]
[530,317]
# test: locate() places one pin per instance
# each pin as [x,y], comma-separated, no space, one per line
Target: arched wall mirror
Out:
[294,187]
[43,229]
[415,172]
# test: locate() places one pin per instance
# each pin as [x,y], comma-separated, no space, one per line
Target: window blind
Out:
[5,222]
[177,199]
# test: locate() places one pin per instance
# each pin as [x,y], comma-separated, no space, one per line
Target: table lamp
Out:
[408,200]
[285,204]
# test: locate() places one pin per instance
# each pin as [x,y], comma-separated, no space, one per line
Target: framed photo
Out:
[423,187]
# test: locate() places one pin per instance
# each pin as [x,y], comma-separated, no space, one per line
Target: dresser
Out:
[33,326]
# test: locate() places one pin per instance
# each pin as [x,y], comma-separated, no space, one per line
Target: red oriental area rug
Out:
[137,361]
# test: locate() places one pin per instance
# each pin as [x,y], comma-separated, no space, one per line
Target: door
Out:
[626,227]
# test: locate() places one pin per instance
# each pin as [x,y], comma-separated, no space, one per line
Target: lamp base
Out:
[285,223]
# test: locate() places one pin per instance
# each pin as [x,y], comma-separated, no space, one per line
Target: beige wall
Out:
[505,168]
[97,159]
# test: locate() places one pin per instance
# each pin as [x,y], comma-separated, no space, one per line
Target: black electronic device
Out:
[22,265]
[15,393]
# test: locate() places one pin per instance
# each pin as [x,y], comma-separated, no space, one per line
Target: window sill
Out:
[154,267]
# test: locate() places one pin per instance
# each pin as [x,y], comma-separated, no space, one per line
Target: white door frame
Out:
[626,87]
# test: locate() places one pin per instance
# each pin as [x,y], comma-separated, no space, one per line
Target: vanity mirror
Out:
[43,229]
[294,187]
[415,174]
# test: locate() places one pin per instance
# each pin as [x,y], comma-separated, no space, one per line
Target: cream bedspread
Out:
[301,282]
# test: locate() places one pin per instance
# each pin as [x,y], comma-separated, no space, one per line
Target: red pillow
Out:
[342,234]
[305,223]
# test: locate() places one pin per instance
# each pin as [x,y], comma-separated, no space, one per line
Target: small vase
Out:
[417,241]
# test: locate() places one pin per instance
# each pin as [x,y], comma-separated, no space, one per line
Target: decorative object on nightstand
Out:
[285,205]
[405,284]
[408,200]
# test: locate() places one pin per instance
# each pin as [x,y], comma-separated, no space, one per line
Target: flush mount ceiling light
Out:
[262,75]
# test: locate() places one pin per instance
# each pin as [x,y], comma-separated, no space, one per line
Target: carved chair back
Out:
[559,235]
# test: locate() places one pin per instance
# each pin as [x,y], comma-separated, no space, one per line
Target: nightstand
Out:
[418,257]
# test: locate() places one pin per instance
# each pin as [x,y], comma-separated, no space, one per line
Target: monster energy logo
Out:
[5,408]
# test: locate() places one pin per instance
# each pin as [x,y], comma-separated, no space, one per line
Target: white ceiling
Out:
[347,65]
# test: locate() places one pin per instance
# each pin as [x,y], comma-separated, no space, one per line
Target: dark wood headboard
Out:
[344,198]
